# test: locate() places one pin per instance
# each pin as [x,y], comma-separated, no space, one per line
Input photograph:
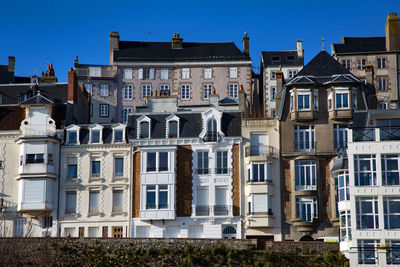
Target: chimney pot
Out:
[177,41]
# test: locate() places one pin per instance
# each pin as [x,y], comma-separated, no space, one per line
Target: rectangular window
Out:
[340,136]
[202,162]
[361,63]
[70,202]
[118,200]
[207,91]
[95,136]
[172,129]
[146,74]
[391,209]
[367,213]
[273,74]
[125,114]
[291,101]
[304,139]
[128,91]
[19,227]
[151,161]
[72,171]
[292,73]
[163,196]
[164,74]
[94,202]
[315,99]
[34,158]
[233,73]
[157,197]
[367,251]
[162,161]
[47,222]
[146,90]
[128,74]
[276,59]
[207,73]
[119,167]
[305,175]
[233,90]
[89,88]
[222,162]
[93,231]
[273,92]
[259,204]
[342,99]
[345,225]
[346,63]
[95,71]
[95,172]
[151,197]
[365,170]
[258,172]
[306,208]
[303,100]
[381,63]
[382,83]
[382,105]
[103,110]
[330,106]
[164,90]
[185,92]
[118,135]
[104,89]
[343,187]
[144,129]
[185,74]
[390,170]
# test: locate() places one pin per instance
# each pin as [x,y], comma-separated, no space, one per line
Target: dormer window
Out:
[72,135]
[143,127]
[96,134]
[172,127]
[118,133]
[303,99]
[211,126]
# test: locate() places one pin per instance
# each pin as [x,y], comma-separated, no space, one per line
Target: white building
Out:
[369,190]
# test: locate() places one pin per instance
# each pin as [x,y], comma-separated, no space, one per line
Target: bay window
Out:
[344,191]
[157,161]
[259,204]
[340,136]
[345,225]
[303,99]
[157,197]
[367,213]
[391,210]
[342,98]
[305,175]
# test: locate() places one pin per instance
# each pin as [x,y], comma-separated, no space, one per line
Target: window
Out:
[273,74]
[103,110]
[381,63]
[34,158]
[125,114]
[173,129]
[390,170]
[367,253]
[69,232]
[346,63]
[118,135]
[72,168]
[146,90]
[367,213]
[117,206]
[118,231]
[185,74]
[118,167]
[128,74]
[303,99]
[273,92]
[72,137]
[305,175]
[144,129]
[391,209]
[95,171]
[157,159]
[344,191]
[276,59]
[157,197]
[164,90]
[70,202]
[151,161]
[207,73]
[291,101]
[93,231]
[128,91]
[342,98]
[19,227]
[47,222]
[207,91]
[259,204]
[306,208]
[95,71]
[290,58]
[94,136]
[146,74]
[233,90]
[94,202]
[304,138]
[330,105]
[315,99]
[258,173]
[365,170]
[202,162]
[222,162]
[162,161]
[382,83]
[393,254]
[361,63]
[212,131]
[104,89]
[292,73]
[89,88]
[185,92]
[164,74]
[340,136]
[233,73]
[382,105]
[345,225]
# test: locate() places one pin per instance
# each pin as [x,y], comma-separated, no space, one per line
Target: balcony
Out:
[260,219]
[212,136]
[341,114]
[375,134]
[221,210]
[304,146]
[202,210]
[261,150]
[212,210]
[304,115]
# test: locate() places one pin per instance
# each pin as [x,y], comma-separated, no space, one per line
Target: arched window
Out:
[212,130]
[144,129]
[229,230]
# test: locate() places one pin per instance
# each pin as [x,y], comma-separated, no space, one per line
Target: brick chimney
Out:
[114,45]
[246,47]
[72,83]
[11,64]
[280,82]
[177,42]
[299,48]
[369,74]
[49,75]
[392,30]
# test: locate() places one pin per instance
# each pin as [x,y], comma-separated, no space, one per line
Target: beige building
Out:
[382,53]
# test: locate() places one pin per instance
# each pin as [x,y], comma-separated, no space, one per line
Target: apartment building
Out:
[289,63]
[382,53]
[315,109]
[369,190]
[186,162]
[261,188]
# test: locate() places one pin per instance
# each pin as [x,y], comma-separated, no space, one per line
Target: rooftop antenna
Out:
[148,33]
[323,44]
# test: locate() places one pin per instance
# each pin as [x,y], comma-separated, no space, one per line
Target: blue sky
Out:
[42,32]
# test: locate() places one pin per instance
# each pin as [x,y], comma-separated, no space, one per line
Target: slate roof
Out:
[162,51]
[84,134]
[284,58]
[11,117]
[7,77]
[57,93]
[190,124]
[354,45]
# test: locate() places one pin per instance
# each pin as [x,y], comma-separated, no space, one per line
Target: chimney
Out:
[280,82]
[369,74]
[246,48]
[242,100]
[299,48]
[11,64]
[72,94]
[76,61]
[392,29]
[49,75]
[177,41]
[114,45]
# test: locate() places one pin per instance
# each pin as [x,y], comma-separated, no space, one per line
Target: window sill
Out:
[94,214]
[70,214]
[95,179]
[119,213]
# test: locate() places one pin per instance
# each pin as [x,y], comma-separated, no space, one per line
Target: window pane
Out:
[117,200]
[163,197]
[173,129]
[144,130]
[151,197]
[95,168]
[94,201]
[163,161]
[151,161]
[119,167]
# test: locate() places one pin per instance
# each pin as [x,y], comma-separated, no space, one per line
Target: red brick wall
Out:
[236,180]
[136,184]
[184,181]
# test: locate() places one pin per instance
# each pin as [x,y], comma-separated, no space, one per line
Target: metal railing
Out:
[253,181]
[367,255]
[221,210]
[340,145]
[202,210]
[364,134]
[393,255]
[261,150]
[202,171]
[265,213]
[389,133]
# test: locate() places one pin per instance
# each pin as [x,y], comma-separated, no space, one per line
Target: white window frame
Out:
[169,119]
[118,127]
[346,63]
[292,73]
[157,189]
[116,209]
[104,110]
[203,162]
[388,214]
[139,122]
[233,72]
[382,105]
[222,162]
[125,114]
[382,84]
[207,90]
[128,74]
[345,225]
[115,172]
[305,215]
[71,192]
[256,211]
[185,92]
[96,127]
[104,89]
[344,93]
[343,186]
[69,130]
[71,161]
[157,167]
[234,90]
[304,138]
[267,172]
[359,173]
[92,174]
[330,99]
[95,71]
[94,210]
[164,89]
[361,63]
[385,158]
[273,74]
[164,74]
[146,90]
[303,93]
[315,99]
[381,63]
[291,101]
[128,91]
[302,181]
[340,136]
[360,214]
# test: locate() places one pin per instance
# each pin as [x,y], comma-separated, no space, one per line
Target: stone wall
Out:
[318,248]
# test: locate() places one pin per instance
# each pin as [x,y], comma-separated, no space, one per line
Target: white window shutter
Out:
[260,203]
[233,72]
[140,74]
[185,73]
[128,74]
[164,74]
[152,74]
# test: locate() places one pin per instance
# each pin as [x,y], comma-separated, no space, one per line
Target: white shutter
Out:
[142,231]
[233,72]
[128,74]
[33,190]
[94,201]
[152,72]
[258,139]
[260,203]
[93,231]
[35,148]
[117,200]
[141,74]
[221,196]
[98,72]
[92,72]
[202,196]
[185,73]
[207,73]
[164,74]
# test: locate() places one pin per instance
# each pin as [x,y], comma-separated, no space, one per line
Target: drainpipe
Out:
[397,79]
[130,189]
[59,190]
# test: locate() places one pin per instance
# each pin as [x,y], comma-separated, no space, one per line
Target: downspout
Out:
[397,79]
[59,190]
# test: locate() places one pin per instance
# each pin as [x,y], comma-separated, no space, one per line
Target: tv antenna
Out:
[149,34]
